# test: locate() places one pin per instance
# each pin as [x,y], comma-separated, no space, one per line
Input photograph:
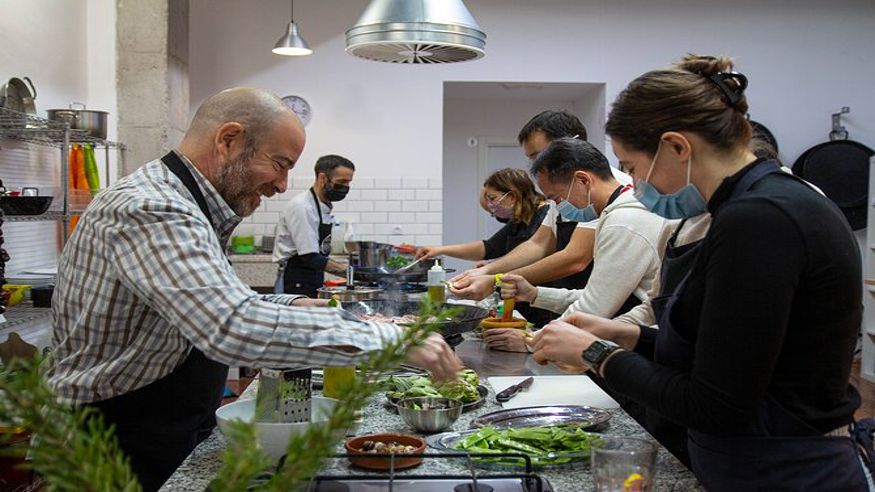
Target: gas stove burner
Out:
[469,487]
[328,486]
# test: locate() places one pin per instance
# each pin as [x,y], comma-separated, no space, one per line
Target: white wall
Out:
[805,59]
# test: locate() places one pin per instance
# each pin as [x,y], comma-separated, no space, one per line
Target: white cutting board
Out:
[554,390]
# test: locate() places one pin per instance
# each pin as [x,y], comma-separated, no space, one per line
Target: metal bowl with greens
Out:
[466,389]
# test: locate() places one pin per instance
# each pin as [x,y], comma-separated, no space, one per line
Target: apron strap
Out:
[177,167]
[318,207]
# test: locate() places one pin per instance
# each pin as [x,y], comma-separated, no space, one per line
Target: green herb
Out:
[544,445]
[464,389]
[396,262]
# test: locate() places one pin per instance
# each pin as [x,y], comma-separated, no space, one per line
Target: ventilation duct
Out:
[416,31]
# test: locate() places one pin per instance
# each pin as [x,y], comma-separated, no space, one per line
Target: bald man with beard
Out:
[148,311]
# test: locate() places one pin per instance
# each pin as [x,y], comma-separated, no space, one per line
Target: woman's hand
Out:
[471,287]
[622,333]
[515,286]
[507,339]
[474,272]
[482,263]
[428,251]
[561,343]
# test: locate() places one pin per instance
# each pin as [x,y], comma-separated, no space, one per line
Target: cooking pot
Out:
[93,122]
[15,95]
[349,295]
[372,254]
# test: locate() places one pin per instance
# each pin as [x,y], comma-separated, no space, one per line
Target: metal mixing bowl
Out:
[431,419]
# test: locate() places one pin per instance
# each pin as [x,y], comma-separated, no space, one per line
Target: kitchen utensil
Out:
[432,414]
[25,205]
[284,395]
[589,418]
[623,463]
[467,319]
[16,95]
[94,123]
[840,168]
[15,292]
[509,304]
[508,393]
[409,265]
[371,254]
[555,390]
[466,407]
[376,462]
[273,437]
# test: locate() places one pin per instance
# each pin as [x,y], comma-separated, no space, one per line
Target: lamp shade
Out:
[291,43]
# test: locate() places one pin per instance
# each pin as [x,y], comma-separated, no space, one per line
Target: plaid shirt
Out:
[144,278]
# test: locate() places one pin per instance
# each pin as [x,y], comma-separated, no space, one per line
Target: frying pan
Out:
[467,319]
[841,169]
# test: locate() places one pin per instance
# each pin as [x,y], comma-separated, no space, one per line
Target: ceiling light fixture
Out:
[291,43]
[416,31]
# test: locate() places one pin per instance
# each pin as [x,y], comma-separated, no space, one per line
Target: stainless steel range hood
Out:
[416,31]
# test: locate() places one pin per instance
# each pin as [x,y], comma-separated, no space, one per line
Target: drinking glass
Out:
[623,464]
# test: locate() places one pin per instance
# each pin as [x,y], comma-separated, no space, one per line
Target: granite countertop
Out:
[201,466]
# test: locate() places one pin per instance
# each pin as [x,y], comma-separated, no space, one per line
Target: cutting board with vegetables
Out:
[554,390]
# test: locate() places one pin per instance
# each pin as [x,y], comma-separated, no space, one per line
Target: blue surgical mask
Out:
[684,203]
[574,214]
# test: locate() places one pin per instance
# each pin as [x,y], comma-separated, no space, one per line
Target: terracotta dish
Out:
[370,461]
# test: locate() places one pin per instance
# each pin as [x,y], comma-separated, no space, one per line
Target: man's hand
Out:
[561,343]
[476,288]
[307,302]
[515,286]
[507,339]
[435,356]
[428,252]
[622,333]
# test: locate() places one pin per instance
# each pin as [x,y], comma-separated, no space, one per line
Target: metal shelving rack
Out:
[40,131]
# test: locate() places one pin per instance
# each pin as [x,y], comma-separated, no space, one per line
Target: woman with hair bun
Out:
[757,322]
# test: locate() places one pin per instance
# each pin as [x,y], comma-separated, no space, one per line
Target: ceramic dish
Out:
[372,462]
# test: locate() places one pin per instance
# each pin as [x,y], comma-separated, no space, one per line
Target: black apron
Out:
[300,278]
[779,452]
[160,424]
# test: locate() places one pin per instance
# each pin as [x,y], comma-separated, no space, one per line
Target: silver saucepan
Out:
[93,122]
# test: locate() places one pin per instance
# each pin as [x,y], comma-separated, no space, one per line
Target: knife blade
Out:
[508,393]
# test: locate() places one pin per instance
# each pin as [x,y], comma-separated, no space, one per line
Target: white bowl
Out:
[273,437]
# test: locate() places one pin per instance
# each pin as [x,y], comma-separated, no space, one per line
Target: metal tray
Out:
[588,418]
[467,407]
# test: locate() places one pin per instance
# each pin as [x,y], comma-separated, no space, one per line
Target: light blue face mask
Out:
[571,213]
[684,203]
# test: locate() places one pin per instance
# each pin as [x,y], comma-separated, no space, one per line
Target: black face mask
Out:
[503,221]
[336,192]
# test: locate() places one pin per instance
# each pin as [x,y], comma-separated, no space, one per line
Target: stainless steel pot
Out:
[93,122]
[372,254]
[15,95]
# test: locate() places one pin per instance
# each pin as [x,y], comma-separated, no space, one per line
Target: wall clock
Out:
[301,108]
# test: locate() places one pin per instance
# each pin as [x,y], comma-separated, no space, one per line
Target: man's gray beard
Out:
[233,184]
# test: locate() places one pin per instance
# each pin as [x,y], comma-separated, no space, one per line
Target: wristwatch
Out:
[598,352]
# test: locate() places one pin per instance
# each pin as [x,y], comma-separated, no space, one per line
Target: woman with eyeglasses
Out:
[510,196]
[757,322]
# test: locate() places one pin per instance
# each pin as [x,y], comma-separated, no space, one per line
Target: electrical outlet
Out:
[397,230]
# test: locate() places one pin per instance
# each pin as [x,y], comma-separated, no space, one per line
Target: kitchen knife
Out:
[512,391]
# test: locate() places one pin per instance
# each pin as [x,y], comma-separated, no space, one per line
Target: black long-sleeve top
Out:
[513,234]
[772,306]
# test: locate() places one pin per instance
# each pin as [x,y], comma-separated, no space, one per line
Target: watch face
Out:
[301,108]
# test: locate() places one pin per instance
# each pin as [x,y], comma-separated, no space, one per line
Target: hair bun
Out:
[704,65]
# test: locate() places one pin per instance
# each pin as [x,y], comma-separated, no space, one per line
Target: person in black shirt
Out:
[510,196]
[757,330]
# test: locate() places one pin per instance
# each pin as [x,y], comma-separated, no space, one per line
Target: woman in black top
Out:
[757,331]
[510,196]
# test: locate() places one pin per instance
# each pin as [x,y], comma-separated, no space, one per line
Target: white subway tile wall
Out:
[387,209]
